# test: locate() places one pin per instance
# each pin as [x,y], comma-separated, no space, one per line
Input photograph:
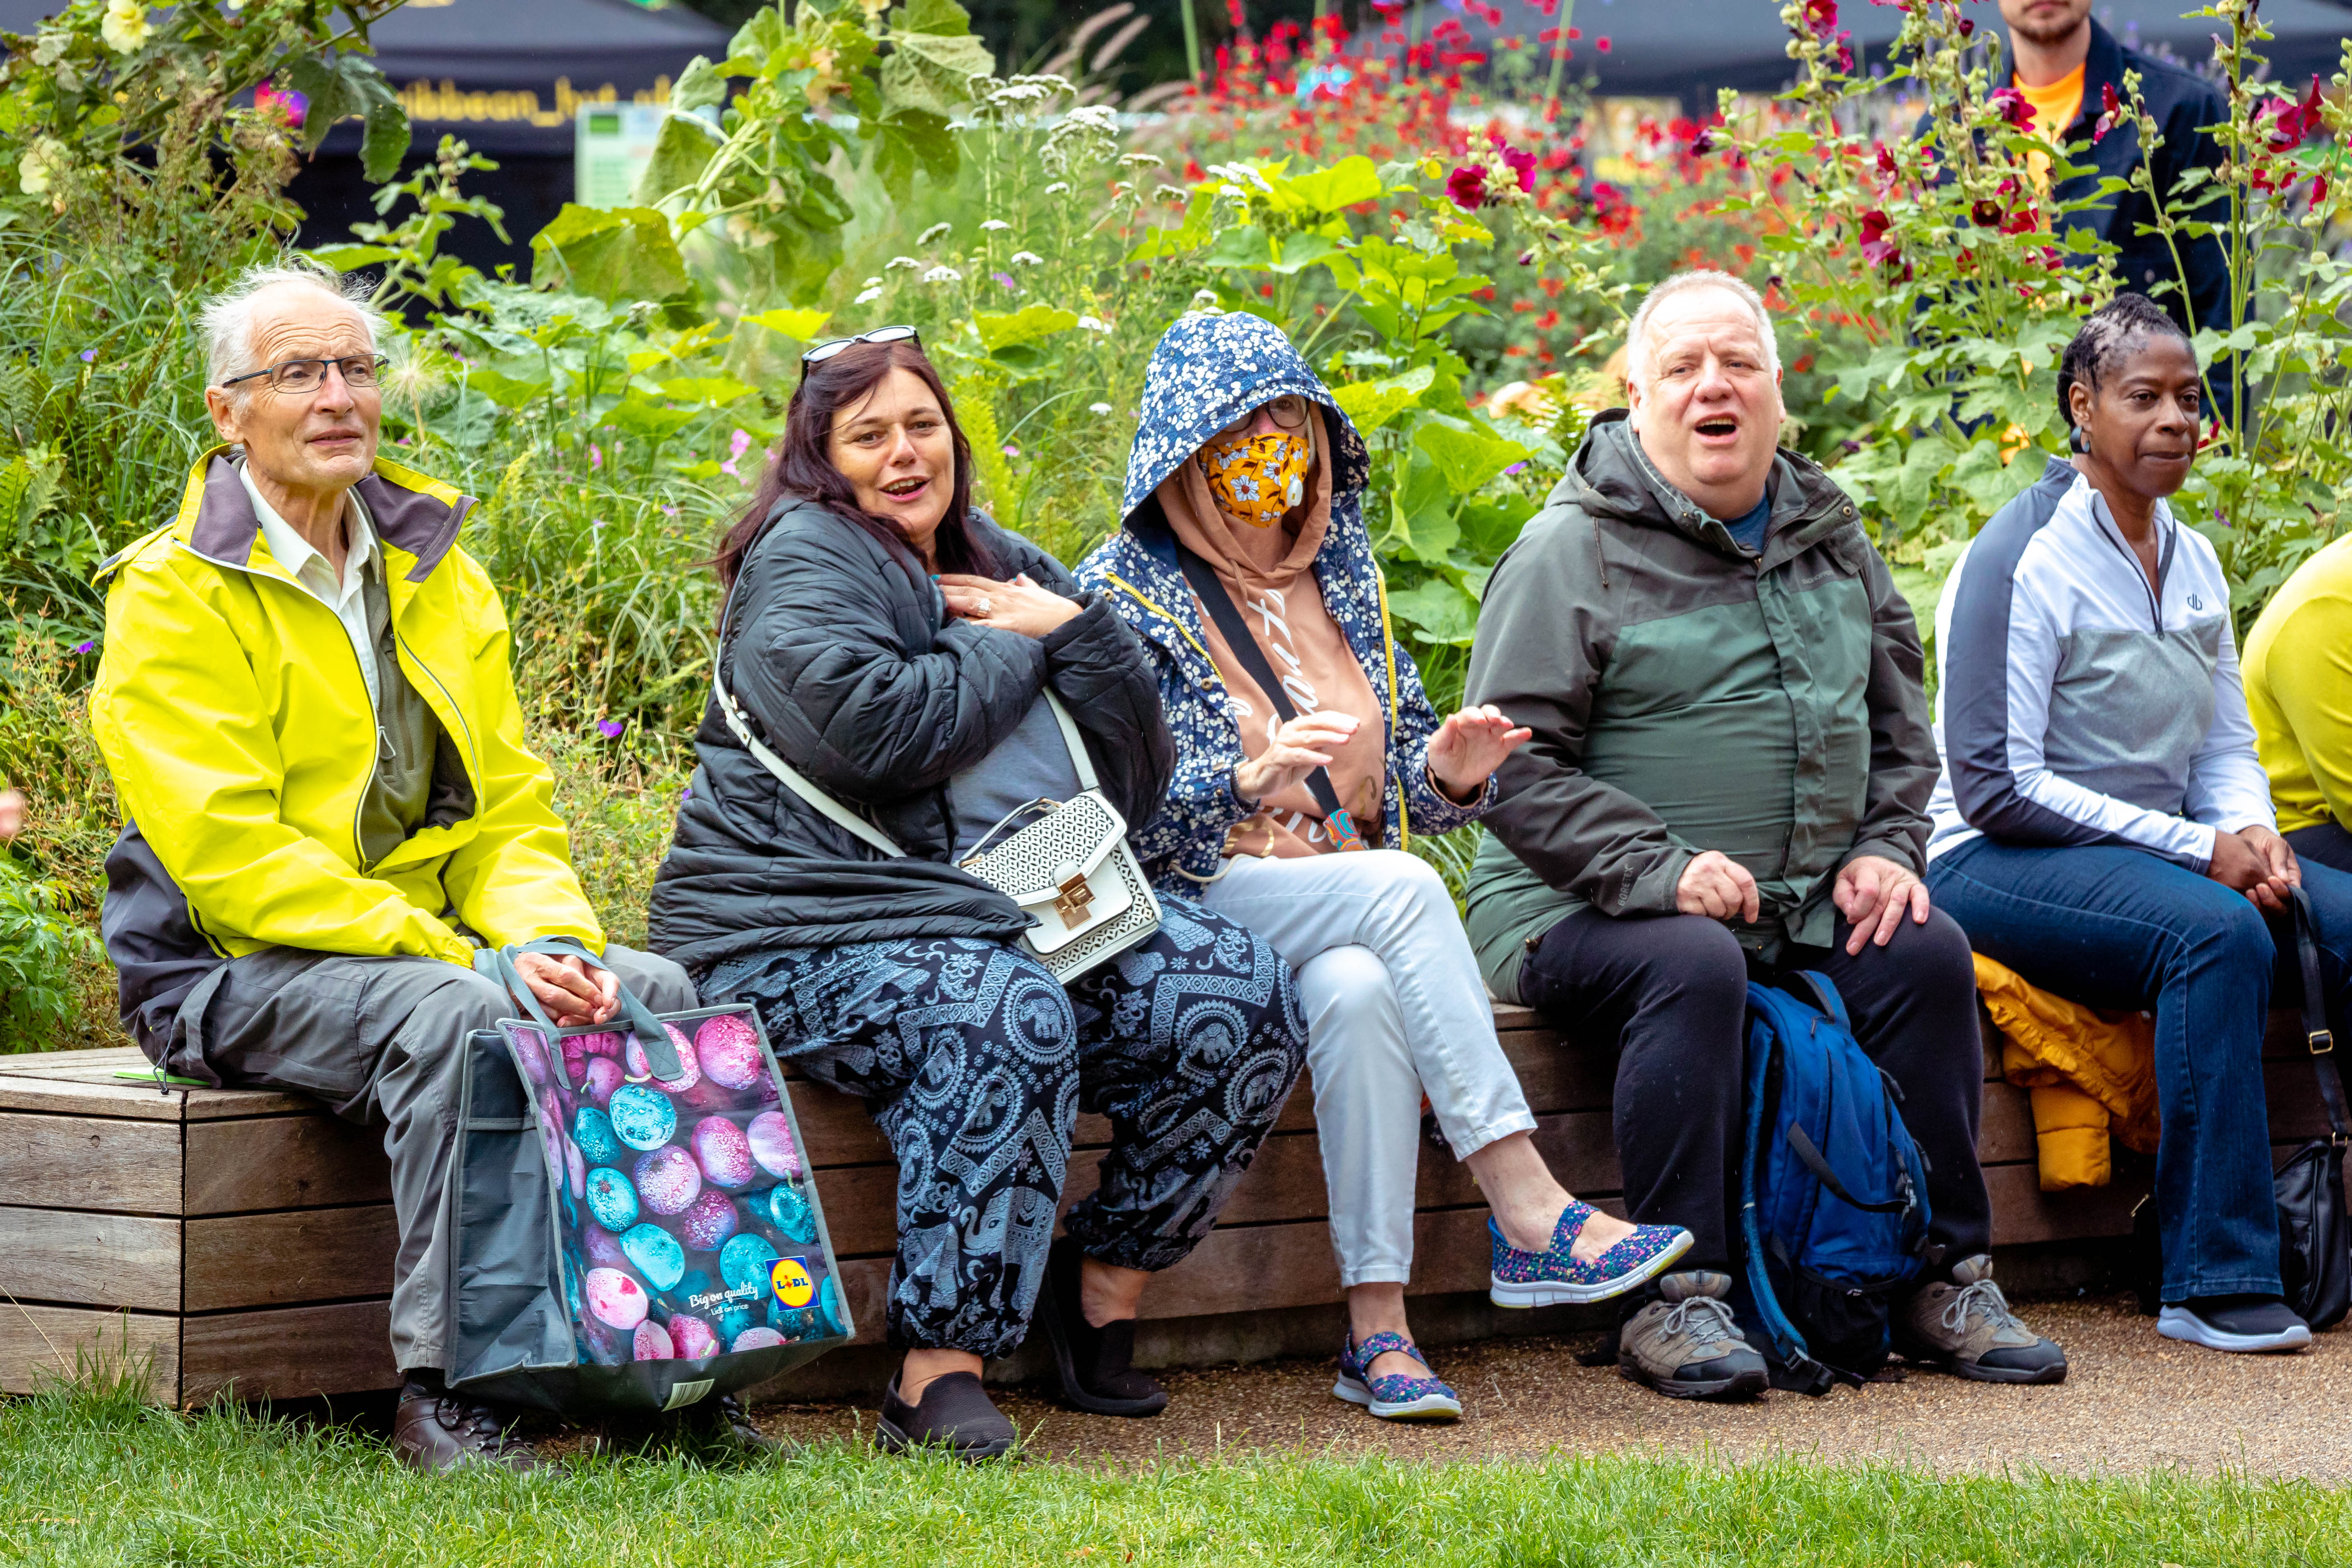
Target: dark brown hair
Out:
[804,470]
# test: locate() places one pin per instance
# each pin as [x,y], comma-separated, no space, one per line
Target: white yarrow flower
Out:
[1170,194]
[1057,187]
[1093,324]
[1143,161]
[948,275]
[907,261]
[1205,298]
[125,26]
[1027,258]
[867,298]
[995,226]
[871,283]
[1098,408]
[937,231]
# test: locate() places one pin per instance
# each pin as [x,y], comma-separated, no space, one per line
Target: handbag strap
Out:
[2317,1038]
[1220,606]
[660,1055]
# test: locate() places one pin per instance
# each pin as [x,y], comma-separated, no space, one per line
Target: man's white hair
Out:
[1637,336]
[225,324]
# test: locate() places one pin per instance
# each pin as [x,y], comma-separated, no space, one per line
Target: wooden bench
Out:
[243,1237]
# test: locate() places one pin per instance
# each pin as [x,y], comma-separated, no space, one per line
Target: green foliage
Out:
[39,946]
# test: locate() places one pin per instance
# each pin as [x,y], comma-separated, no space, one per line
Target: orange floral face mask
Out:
[1257,479]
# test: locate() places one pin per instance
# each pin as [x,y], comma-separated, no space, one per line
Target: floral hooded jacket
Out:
[1209,370]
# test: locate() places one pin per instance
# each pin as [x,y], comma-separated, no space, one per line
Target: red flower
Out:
[1876,247]
[2111,110]
[1467,186]
[1820,18]
[2014,109]
[1967,26]
[1522,163]
[2318,191]
[2024,220]
[2292,124]
[1986,214]
[1703,143]
[1601,43]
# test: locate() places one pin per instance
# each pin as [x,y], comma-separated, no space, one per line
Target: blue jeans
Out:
[2118,928]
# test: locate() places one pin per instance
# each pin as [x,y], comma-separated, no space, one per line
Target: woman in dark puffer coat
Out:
[894,647]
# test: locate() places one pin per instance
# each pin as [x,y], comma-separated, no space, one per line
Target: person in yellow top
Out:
[2298,672]
[328,805]
[2063,64]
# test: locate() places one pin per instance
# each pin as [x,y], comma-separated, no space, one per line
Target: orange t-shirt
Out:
[2054,108]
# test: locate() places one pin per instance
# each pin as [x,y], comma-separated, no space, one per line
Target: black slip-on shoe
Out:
[955,1413]
[1095,1365]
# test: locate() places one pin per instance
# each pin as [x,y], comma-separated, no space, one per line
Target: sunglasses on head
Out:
[832,346]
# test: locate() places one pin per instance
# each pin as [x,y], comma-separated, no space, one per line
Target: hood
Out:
[1611,476]
[1209,370]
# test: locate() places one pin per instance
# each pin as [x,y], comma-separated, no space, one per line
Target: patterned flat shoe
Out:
[1554,1277]
[1392,1396]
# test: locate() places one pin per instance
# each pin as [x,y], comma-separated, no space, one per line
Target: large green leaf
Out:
[1026,325]
[908,138]
[1467,457]
[943,17]
[932,71]
[700,85]
[682,149]
[801,325]
[340,86]
[716,390]
[1370,405]
[634,417]
[1421,512]
[506,391]
[1343,184]
[1440,611]
[620,255]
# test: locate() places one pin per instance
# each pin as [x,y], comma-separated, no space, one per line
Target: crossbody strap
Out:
[1220,606]
[791,777]
[2317,1038]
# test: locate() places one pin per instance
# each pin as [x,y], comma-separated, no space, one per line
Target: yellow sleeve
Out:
[514,881]
[2308,668]
[196,765]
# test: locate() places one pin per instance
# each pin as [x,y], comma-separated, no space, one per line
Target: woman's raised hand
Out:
[1020,605]
[1468,747]
[1298,748]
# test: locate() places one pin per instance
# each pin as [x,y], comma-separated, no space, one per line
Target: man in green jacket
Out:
[1728,780]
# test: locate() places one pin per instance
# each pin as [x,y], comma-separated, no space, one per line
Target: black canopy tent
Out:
[1690,48]
[505,75]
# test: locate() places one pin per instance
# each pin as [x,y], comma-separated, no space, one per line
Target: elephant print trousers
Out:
[974,1061]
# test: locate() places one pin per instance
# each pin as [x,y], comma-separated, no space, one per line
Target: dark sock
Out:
[422,1381]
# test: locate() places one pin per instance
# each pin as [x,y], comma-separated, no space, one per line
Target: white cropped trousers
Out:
[1395,1008]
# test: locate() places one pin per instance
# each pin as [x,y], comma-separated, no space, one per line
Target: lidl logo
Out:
[789,1278]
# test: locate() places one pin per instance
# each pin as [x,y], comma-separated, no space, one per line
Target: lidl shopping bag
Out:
[636,1227]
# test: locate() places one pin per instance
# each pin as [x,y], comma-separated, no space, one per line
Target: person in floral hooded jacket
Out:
[1307,753]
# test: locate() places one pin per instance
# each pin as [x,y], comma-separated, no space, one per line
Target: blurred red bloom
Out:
[2111,109]
[1876,246]
[2014,109]
[1467,186]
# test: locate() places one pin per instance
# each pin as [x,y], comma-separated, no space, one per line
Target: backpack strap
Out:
[1826,998]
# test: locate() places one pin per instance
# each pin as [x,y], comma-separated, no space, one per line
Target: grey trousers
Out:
[379,1039]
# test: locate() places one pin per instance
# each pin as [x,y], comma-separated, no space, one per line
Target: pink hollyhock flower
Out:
[2014,109]
[1876,246]
[1467,188]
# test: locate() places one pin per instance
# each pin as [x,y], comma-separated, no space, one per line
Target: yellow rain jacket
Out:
[235,720]
[2091,1075]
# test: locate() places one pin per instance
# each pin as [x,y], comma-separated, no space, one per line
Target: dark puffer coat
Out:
[843,657]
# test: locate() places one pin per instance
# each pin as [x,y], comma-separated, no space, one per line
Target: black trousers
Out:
[1668,993]
[2327,843]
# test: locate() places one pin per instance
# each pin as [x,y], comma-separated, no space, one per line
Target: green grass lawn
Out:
[93,1478]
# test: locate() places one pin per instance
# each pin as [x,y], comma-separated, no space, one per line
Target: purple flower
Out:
[89,356]
[1515,467]
[84,646]
[596,457]
[610,728]
[685,794]
[1005,279]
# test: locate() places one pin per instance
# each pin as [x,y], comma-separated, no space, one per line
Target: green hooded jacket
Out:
[1688,695]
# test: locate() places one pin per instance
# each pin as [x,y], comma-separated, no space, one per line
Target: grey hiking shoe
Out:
[1965,1327]
[1686,1346]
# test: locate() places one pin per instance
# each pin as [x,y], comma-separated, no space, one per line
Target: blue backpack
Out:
[1833,1193]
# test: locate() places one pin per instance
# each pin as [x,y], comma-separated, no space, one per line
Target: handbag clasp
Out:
[2321,1041]
[1071,895]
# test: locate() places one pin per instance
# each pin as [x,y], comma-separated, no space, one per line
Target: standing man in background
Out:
[2063,62]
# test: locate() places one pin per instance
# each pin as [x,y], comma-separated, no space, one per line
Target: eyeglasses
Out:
[1288,412]
[298,375]
[826,350]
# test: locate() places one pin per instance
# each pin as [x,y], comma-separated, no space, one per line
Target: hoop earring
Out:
[2076,440]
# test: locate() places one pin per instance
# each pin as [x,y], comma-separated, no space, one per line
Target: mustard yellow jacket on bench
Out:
[232,714]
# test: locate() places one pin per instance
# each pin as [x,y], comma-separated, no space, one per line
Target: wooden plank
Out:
[40,1344]
[2005,1126]
[85,1083]
[90,1162]
[279,1260]
[288,1352]
[284,1163]
[2023,1213]
[64,1097]
[90,1259]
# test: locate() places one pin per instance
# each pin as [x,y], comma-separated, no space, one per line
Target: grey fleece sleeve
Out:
[1903,765]
[1543,640]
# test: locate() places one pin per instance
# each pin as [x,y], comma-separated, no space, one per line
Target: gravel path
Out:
[2131,1402]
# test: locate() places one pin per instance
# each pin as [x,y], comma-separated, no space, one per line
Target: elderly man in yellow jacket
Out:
[327,806]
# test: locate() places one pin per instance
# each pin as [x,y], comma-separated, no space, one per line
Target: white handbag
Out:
[1071,871]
